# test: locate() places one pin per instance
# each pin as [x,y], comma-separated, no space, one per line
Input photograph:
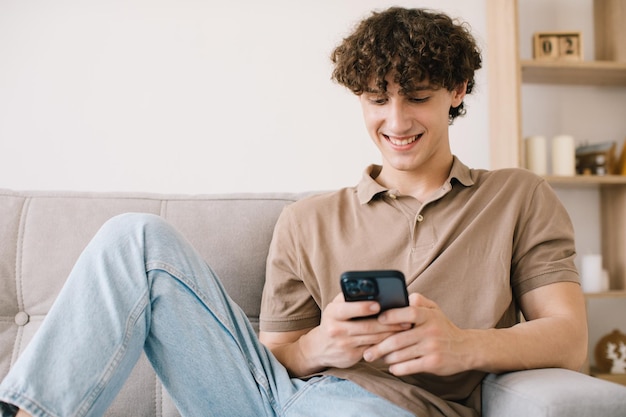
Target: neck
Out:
[420,185]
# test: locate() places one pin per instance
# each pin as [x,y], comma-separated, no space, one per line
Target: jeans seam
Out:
[182,277]
[263,384]
[88,402]
[12,395]
[307,387]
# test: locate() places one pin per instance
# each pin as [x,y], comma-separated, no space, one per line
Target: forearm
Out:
[554,335]
[296,355]
[550,342]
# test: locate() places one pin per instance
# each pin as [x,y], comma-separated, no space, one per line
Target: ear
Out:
[458,94]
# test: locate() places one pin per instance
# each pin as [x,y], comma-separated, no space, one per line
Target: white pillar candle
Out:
[536,154]
[591,273]
[606,281]
[563,155]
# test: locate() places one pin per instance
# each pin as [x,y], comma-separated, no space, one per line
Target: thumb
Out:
[419,300]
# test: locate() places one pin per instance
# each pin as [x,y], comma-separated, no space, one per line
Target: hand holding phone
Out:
[387,287]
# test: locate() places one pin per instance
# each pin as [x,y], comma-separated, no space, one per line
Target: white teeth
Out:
[402,142]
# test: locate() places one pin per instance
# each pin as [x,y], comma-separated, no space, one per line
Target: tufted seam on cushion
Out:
[19,259]
[158,398]
[163,209]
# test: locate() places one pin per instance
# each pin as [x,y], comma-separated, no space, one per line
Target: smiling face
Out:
[410,129]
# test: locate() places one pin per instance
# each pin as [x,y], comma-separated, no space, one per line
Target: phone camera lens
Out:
[352,288]
[367,287]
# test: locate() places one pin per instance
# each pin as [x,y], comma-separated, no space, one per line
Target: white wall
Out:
[192,96]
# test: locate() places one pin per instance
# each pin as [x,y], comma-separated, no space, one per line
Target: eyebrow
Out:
[420,88]
[373,91]
[416,89]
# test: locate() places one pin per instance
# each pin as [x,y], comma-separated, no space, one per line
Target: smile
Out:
[403,142]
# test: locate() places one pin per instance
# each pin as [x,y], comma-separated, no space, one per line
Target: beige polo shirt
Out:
[482,240]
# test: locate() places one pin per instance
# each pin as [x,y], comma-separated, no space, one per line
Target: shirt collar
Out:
[368,188]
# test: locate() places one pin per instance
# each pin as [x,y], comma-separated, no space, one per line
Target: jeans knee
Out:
[134,224]
[128,221]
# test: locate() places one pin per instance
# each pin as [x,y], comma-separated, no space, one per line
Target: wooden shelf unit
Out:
[615,378]
[587,180]
[507,73]
[606,294]
[595,73]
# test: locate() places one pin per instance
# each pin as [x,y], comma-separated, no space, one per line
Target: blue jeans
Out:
[140,286]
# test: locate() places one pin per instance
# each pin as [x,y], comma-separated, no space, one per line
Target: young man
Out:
[475,247]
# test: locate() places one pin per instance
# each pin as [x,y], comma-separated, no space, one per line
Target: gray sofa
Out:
[42,234]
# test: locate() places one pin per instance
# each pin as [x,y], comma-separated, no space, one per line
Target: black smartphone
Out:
[388,287]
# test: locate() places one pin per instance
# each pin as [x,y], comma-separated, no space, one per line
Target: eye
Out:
[377,100]
[418,99]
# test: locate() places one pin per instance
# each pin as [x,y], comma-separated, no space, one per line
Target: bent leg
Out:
[140,284]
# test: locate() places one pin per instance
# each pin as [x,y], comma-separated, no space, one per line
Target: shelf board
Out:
[598,73]
[606,294]
[578,180]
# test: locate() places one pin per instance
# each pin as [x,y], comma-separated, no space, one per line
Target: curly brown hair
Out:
[415,45]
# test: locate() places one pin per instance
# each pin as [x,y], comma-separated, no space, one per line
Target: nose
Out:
[398,119]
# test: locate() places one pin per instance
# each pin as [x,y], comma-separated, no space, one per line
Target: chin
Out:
[401,164]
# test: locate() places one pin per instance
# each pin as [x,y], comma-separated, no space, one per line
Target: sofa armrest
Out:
[551,393]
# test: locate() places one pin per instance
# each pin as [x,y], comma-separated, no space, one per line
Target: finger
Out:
[409,367]
[398,349]
[411,314]
[404,316]
[421,309]
[370,339]
[419,300]
[397,344]
[404,357]
[354,309]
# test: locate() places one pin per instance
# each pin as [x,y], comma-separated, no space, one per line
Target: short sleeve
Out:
[287,304]
[544,249]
